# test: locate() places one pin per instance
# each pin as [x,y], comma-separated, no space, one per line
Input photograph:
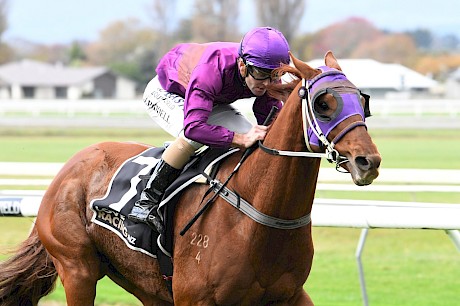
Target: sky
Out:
[60,21]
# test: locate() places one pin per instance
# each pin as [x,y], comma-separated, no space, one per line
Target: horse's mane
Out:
[281,91]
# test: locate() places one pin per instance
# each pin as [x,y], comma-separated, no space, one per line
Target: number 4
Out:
[198,257]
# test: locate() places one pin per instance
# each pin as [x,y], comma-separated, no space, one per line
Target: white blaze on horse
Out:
[226,257]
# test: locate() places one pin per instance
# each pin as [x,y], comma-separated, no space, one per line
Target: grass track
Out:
[403,267]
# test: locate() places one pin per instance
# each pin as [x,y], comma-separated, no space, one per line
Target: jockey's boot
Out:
[146,209]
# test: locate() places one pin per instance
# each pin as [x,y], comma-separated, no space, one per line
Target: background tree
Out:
[6,54]
[184,32]
[422,38]
[390,48]
[161,12]
[438,66]
[133,49]
[76,54]
[127,47]
[54,54]
[3,17]
[302,46]
[343,37]
[215,20]
[284,15]
[446,43]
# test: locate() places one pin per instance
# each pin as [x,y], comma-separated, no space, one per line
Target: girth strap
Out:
[246,208]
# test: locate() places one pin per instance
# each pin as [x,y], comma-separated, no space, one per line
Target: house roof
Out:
[34,73]
[368,73]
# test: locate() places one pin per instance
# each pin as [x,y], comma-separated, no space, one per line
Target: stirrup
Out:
[154,222]
[147,215]
[139,212]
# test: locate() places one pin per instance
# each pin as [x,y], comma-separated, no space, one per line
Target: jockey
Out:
[190,98]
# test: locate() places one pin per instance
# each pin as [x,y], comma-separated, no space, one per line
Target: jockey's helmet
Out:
[264,47]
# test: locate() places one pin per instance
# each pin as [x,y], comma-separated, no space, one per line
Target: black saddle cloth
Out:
[130,179]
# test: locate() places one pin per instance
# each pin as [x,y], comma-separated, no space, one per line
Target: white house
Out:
[452,88]
[381,80]
[28,79]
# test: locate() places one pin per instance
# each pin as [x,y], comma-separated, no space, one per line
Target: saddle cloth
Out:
[124,190]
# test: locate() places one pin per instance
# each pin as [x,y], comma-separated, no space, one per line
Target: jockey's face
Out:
[257,87]
[256,79]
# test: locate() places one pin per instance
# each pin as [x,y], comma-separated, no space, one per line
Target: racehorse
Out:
[226,258]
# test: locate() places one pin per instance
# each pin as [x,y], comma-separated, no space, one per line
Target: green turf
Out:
[423,149]
[426,149]
[50,145]
[428,197]
[402,267]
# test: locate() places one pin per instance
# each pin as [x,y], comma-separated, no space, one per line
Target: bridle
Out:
[311,126]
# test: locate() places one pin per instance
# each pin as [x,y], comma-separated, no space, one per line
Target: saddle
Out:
[111,211]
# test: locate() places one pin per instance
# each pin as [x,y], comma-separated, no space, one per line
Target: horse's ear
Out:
[306,71]
[331,61]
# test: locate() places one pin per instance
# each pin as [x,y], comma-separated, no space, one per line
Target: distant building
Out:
[382,80]
[452,87]
[28,79]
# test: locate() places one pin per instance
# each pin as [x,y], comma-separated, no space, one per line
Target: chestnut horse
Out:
[238,261]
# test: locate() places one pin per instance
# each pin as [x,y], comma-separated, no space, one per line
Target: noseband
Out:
[348,104]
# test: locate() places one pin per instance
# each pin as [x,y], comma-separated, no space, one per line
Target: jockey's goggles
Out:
[259,74]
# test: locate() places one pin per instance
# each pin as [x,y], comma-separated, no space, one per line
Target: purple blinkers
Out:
[348,99]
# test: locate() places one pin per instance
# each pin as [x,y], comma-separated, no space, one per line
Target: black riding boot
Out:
[145,210]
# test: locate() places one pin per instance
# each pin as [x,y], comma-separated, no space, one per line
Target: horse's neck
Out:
[282,186]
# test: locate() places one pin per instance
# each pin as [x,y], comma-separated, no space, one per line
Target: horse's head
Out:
[334,113]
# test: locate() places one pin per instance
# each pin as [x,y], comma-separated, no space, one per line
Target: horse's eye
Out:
[322,106]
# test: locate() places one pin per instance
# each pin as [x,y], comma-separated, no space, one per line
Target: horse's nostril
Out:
[368,162]
[363,163]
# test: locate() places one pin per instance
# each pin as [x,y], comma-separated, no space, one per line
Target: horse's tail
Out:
[28,275]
